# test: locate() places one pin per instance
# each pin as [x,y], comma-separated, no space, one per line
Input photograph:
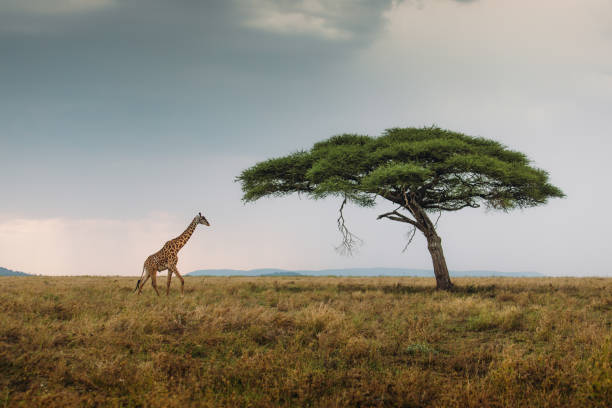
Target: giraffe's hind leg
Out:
[154,282]
[143,282]
[175,271]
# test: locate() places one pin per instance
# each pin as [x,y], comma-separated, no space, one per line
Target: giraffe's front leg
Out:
[175,271]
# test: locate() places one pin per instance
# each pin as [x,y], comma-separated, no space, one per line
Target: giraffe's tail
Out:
[138,283]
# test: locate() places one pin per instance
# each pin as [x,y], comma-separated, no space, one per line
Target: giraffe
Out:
[166,258]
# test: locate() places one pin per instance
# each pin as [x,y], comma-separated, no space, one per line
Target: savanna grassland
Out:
[299,342]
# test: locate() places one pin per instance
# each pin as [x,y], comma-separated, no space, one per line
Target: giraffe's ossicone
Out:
[167,258]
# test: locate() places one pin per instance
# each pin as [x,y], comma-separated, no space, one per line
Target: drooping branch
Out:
[349,240]
[410,238]
[437,219]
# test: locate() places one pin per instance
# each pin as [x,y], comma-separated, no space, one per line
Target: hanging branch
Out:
[410,238]
[414,225]
[437,219]
[349,240]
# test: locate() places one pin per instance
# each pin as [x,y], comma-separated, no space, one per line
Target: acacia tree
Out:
[420,170]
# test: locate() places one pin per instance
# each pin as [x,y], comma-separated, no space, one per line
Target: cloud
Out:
[332,20]
[193,53]
[85,246]
[263,36]
[295,23]
[336,20]
[55,6]
[340,20]
[30,18]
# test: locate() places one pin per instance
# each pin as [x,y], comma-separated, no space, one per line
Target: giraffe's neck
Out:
[182,239]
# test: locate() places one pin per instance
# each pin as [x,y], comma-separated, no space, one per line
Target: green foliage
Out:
[441,169]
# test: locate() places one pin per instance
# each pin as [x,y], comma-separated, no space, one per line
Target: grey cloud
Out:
[359,19]
[91,77]
[162,37]
[51,7]
[339,19]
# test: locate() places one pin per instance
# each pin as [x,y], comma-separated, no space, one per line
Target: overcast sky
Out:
[121,119]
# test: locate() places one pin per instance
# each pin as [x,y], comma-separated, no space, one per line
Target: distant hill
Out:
[8,272]
[357,272]
[282,273]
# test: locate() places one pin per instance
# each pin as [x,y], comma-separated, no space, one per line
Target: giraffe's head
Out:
[202,220]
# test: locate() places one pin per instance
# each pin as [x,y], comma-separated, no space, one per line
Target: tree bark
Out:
[434,244]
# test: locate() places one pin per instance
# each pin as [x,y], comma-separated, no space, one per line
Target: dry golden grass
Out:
[298,342]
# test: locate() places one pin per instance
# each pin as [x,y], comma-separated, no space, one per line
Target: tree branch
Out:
[441,207]
[349,240]
[397,216]
[437,219]
[410,238]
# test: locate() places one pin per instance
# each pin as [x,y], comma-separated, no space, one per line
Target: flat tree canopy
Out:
[420,170]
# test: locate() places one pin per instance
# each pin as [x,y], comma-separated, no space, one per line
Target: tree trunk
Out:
[434,244]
